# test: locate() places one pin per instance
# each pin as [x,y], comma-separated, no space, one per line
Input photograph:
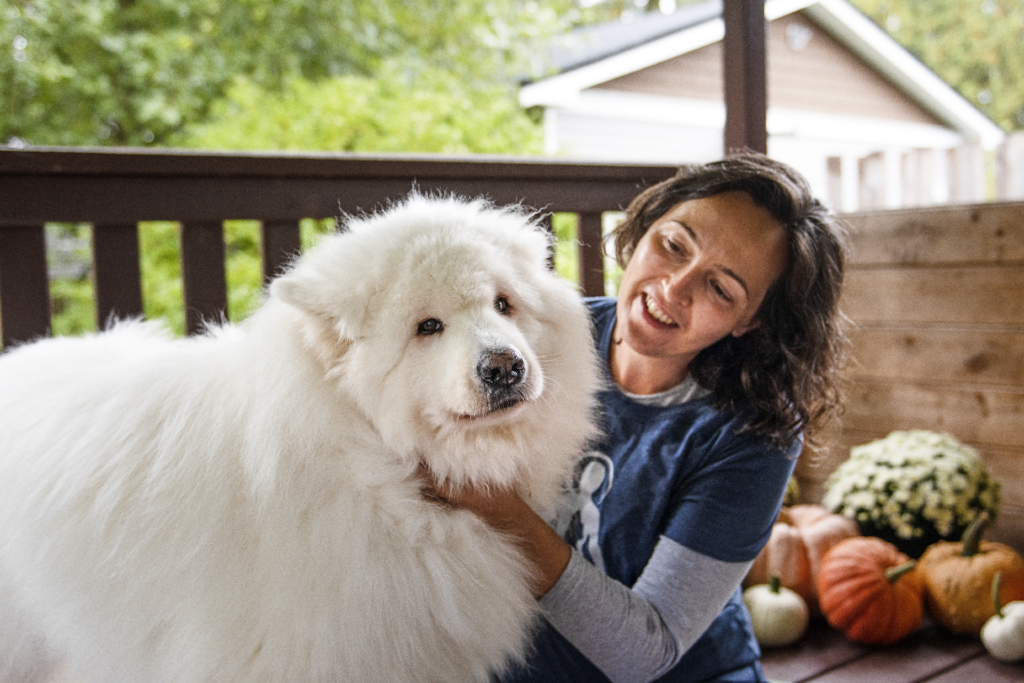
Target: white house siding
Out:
[609,128]
[628,126]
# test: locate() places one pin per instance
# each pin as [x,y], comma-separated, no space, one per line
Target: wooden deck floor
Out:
[930,654]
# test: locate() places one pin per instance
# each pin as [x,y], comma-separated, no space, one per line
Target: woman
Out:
[722,351]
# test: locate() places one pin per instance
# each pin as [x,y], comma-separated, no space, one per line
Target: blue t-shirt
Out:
[683,471]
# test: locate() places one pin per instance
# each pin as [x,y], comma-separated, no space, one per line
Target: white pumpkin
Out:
[1003,633]
[778,615]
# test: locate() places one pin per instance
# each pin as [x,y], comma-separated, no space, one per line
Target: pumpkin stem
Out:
[892,574]
[972,537]
[774,584]
[997,582]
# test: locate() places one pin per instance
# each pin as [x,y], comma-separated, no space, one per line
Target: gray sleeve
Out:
[639,634]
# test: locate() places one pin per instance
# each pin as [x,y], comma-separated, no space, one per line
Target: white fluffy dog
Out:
[246,505]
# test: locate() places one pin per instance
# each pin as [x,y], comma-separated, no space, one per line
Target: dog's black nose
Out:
[501,369]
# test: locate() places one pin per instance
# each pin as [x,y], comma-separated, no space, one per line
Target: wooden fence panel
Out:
[937,298]
[976,414]
[991,234]
[949,294]
[978,354]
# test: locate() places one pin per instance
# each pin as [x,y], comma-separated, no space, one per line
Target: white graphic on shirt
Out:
[578,518]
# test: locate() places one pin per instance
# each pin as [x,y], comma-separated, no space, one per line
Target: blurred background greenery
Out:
[437,76]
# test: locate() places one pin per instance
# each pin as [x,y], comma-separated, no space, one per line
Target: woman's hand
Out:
[505,510]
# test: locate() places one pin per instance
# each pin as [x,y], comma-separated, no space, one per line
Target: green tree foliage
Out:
[134,72]
[102,72]
[596,11]
[427,109]
[977,46]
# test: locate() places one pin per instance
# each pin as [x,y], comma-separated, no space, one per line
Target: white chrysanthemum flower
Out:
[913,481]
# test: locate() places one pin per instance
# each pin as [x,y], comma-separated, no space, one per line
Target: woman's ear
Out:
[743,328]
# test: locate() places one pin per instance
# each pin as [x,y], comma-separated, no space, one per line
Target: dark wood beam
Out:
[745,76]
[202,272]
[116,273]
[591,254]
[280,243]
[131,185]
[24,286]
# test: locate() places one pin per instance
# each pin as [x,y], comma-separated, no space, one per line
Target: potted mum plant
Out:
[912,488]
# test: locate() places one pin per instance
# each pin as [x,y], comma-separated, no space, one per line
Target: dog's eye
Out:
[501,305]
[430,326]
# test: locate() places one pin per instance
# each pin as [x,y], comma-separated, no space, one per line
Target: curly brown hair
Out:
[788,369]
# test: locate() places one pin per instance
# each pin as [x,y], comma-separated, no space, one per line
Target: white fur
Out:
[244,506]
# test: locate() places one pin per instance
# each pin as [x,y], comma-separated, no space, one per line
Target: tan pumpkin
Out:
[958,579]
[800,538]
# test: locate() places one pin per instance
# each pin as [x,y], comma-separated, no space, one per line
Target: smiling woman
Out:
[690,284]
[721,353]
[788,367]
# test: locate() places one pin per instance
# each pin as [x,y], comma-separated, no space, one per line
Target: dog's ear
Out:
[297,290]
[327,334]
[319,298]
[329,301]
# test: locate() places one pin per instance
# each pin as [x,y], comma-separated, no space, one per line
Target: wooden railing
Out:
[116,189]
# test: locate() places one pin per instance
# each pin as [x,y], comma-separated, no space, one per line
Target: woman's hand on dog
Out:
[505,510]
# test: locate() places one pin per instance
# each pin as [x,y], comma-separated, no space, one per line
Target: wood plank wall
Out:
[937,298]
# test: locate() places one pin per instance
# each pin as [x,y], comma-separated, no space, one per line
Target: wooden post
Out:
[745,71]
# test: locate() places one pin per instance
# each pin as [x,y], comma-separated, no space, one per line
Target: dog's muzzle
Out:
[502,373]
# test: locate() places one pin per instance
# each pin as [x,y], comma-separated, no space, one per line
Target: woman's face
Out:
[698,274]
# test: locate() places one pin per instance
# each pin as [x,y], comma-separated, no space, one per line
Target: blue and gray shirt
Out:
[665,515]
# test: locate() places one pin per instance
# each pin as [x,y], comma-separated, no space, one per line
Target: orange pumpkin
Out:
[870,591]
[800,538]
[958,579]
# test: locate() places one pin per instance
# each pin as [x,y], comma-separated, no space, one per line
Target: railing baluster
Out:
[203,275]
[546,221]
[115,258]
[279,244]
[24,286]
[591,251]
